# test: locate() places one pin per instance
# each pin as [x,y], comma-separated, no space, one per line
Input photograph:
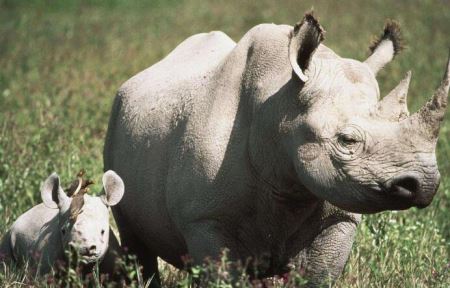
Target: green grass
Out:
[62,61]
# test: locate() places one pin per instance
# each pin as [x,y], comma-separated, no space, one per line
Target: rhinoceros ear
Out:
[304,40]
[52,194]
[114,188]
[385,47]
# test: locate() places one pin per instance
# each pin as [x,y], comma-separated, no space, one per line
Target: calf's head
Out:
[83,219]
[349,148]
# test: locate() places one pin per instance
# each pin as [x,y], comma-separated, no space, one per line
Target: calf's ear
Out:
[52,194]
[114,188]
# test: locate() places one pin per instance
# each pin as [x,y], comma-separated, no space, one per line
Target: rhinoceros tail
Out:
[108,149]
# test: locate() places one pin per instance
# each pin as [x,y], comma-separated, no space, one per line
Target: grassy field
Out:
[62,61]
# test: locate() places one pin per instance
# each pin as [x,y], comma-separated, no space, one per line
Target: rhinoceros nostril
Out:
[404,186]
[88,251]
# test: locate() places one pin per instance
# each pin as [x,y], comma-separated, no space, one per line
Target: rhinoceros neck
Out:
[277,181]
[267,86]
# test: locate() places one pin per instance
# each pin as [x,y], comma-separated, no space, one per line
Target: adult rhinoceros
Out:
[267,147]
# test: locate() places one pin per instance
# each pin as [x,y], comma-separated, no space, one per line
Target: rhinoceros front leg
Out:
[206,240]
[324,259]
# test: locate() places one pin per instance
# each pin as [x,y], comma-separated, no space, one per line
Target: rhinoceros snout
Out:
[405,186]
[429,189]
[412,189]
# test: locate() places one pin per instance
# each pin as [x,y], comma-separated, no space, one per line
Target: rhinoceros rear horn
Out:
[430,116]
[385,47]
[304,40]
[393,106]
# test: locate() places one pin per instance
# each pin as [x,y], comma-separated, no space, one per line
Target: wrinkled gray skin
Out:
[40,235]
[267,147]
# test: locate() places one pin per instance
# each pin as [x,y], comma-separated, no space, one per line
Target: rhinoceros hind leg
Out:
[133,246]
[6,254]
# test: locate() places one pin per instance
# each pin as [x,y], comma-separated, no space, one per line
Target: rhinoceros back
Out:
[34,237]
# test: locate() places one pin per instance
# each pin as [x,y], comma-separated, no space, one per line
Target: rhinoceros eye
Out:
[348,139]
[350,135]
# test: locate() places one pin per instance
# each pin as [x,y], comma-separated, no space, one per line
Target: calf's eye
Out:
[103,232]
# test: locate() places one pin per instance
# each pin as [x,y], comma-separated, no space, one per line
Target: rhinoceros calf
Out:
[271,147]
[42,234]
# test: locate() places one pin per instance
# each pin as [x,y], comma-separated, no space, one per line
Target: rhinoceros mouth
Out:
[398,203]
[400,198]
[378,199]
[91,259]
[396,198]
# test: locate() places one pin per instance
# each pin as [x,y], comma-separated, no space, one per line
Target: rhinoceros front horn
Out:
[304,40]
[430,116]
